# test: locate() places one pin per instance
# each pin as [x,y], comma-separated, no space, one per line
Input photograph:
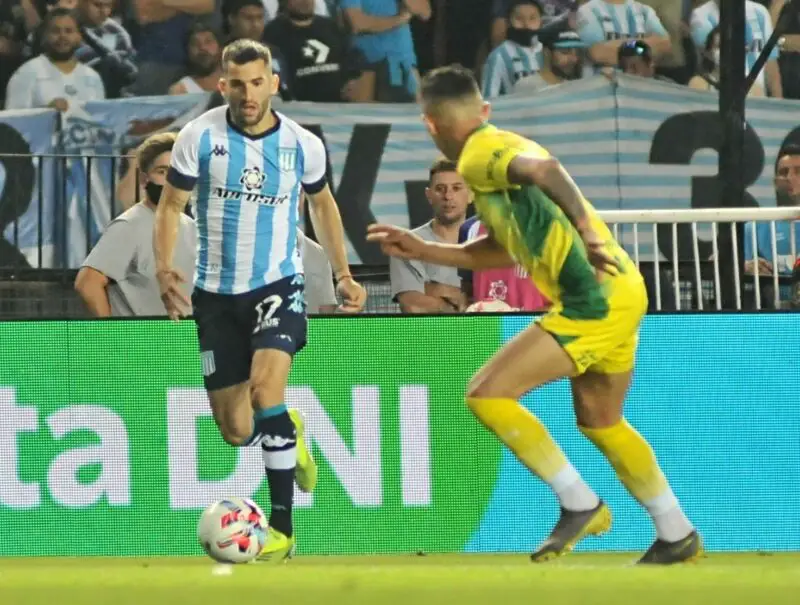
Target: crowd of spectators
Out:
[371,50]
[55,53]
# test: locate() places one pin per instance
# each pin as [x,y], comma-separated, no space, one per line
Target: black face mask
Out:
[523,37]
[153,192]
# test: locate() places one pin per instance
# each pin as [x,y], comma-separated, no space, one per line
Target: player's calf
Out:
[233,413]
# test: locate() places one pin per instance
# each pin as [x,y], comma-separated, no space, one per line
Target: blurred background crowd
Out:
[56,51]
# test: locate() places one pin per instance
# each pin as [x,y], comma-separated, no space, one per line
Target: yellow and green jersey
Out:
[536,232]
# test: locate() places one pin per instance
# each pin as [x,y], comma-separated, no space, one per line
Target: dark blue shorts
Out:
[231,327]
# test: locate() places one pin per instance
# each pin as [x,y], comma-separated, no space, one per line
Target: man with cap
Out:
[564,53]
[635,58]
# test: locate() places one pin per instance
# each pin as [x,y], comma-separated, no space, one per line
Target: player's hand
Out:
[764,267]
[353,294]
[396,241]
[59,105]
[175,301]
[600,258]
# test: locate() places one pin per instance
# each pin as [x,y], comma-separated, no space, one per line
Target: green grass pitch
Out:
[586,579]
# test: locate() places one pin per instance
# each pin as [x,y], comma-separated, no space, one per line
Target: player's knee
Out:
[594,414]
[481,387]
[236,433]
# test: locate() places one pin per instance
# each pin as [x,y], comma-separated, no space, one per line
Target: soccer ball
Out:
[490,306]
[232,530]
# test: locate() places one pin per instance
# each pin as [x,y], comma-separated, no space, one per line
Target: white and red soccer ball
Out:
[232,530]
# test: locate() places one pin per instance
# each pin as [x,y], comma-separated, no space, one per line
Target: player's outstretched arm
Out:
[168,217]
[478,254]
[328,226]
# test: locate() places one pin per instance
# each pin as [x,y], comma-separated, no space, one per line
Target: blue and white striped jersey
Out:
[601,21]
[248,189]
[507,64]
[758,29]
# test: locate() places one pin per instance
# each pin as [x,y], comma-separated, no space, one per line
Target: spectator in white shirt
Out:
[203,50]
[56,78]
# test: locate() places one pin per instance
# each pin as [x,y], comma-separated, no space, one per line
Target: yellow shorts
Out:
[605,346]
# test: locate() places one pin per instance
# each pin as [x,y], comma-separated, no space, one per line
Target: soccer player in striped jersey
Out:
[520,55]
[758,29]
[249,166]
[536,216]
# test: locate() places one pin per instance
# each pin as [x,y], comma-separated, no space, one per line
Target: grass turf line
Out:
[403,580]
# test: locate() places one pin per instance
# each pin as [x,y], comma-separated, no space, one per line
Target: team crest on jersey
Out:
[287,158]
[253,178]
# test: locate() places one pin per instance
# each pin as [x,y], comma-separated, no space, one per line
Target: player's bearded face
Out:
[248,89]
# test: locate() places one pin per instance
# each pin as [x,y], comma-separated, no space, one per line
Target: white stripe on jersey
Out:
[248,189]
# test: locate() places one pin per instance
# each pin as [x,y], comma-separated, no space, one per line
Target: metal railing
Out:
[718,232]
[691,259]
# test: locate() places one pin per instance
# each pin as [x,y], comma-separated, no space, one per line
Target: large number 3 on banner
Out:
[677,140]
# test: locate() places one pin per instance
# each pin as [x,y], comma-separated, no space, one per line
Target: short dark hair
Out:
[449,83]
[786,150]
[441,165]
[245,51]
[58,13]
[199,26]
[230,7]
[152,147]
[512,6]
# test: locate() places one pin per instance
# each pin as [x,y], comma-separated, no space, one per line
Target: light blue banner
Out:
[631,143]
[104,129]
[717,396]
[27,132]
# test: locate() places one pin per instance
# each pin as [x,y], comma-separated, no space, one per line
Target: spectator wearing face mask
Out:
[520,55]
[564,54]
[758,29]
[118,278]
[552,10]
[789,60]
[708,77]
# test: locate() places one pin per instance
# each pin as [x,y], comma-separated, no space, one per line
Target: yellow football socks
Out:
[532,444]
[636,466]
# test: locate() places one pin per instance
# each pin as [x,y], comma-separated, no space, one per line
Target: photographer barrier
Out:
[107,445]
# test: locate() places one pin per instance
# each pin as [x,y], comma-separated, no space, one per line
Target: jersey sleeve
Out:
[589,28]
[185,164]
[485,160]
[652,24]
[315,163]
